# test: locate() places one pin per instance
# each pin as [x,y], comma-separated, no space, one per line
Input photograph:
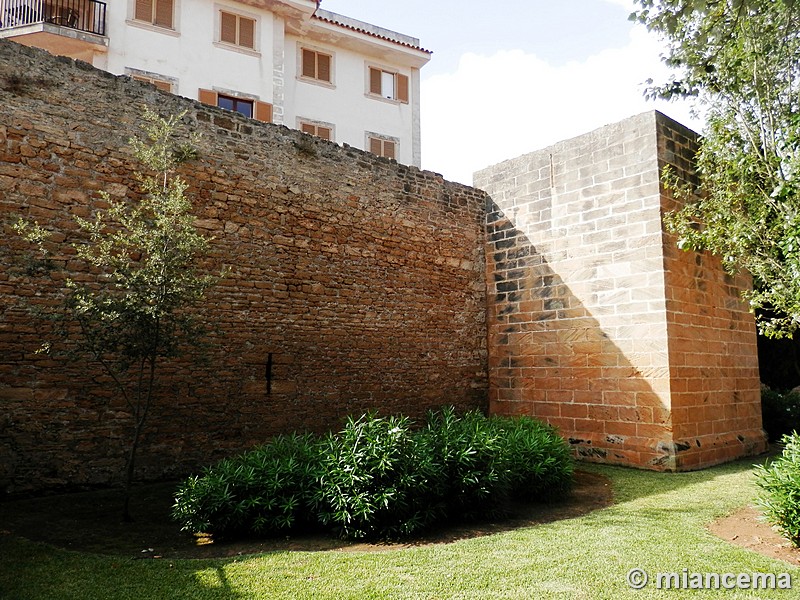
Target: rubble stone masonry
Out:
[640,353]
[353,283]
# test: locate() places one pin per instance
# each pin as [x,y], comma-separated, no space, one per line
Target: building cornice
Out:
[369,29]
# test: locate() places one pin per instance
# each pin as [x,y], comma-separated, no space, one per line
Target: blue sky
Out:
[510,77]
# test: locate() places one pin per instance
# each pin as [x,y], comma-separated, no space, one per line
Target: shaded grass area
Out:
[91,522]
[657,523]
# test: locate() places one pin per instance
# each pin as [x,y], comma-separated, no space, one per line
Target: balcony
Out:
[74,28]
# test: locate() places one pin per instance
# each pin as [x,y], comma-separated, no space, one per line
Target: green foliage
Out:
[266,490]
[780,485]
[657,522]
[465,453]
[481,461]
[146,251]
[370,479]
[704,41]
[536,460]
[780,413]
[739,57]
[139,304]
[379,477]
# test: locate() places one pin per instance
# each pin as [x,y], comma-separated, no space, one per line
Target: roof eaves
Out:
[331,18]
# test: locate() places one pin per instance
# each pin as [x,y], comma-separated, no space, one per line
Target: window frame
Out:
[317,125]
[372,137]
[154,79]
[237,47]
[301,49]
[262,111]
[151,24]
[237,100]
[401,82]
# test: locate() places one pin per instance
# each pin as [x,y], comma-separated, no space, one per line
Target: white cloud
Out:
[501,106]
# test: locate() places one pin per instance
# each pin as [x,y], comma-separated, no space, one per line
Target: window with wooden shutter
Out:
[237,30]
[375,77]
[227,28]
[144,11]
[383,147]
[309,63]
[155,12]
[261,111]
[247,33]
[323,131]
[376,146]
[402,88]
[389,149]
[316,65]
[161,84]
[323,67]
[388,85]
[163,13]
[208,97]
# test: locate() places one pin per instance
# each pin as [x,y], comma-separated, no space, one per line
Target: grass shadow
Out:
[90,522]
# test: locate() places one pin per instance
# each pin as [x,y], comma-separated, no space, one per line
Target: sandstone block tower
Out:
[642,354]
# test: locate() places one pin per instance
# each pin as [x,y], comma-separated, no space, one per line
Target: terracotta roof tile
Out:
[333,21]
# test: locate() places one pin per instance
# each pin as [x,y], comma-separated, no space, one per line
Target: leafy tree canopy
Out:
[143,303]
[741,59]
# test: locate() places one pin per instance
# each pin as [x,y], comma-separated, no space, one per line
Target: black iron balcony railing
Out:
[83,15]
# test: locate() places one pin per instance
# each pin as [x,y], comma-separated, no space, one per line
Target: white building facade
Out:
[284,61]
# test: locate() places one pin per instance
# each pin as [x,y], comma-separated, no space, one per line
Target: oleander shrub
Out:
[535,460]
[779,481]
[453,468]
[379,477]
[485,461]
[780,413]
[370,479]
[267,490]
[464,454]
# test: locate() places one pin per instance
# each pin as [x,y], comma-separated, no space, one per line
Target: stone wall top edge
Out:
[11,52]
[647,119]
[663,120]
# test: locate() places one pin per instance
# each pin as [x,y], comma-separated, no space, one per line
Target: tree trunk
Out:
[140,415]
[137,430]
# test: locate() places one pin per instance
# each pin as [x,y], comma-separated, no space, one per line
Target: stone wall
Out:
[715,396]
[640,353]
[354,283]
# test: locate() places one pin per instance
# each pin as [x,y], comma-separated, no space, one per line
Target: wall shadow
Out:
[552,358]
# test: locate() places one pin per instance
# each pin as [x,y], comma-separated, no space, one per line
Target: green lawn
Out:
[657,523]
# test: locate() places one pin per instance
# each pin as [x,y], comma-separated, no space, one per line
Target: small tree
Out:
[139,309]
[740,58]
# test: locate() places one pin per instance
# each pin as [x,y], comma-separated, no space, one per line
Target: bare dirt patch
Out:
[90,522]
[746,528]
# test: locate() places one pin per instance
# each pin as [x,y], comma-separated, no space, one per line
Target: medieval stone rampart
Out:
[354,283]
[641,354]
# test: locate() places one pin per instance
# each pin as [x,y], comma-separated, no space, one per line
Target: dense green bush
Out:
[265,490]
[780,484]
[379,477]
[535,459]
[463,455]
[780,413]
[369,479]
